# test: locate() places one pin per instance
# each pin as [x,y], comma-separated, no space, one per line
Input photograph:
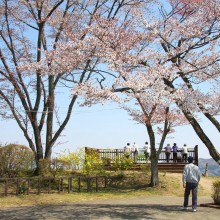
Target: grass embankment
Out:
[123,185]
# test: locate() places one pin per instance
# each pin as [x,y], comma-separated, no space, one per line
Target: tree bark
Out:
[154,171]
[154,157]
[201,134]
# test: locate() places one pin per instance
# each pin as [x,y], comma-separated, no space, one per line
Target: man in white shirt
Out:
[184,153]
[190,179]
[147,151]
[127,150]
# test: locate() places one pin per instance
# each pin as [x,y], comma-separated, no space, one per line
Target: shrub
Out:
[16,160]
[53,168]
[74,159]
[106,161]
[216,192]
[122,163]
[93,164]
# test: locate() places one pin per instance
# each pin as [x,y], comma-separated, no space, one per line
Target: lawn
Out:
[120,185]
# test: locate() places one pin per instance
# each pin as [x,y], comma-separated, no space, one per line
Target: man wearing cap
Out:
[191,178]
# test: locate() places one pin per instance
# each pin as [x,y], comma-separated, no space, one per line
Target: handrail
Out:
[111,154]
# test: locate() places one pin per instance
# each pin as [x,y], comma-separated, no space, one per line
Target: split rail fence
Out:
[16,186]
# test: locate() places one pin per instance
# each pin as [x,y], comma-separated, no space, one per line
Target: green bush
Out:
[122,163]
[106,161]
[53,168]
[74,159]
[216,192]
[16,160]
[93,164]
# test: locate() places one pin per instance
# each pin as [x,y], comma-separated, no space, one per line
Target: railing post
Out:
[59,188]
[6,187]
[28,186]
[38,186]
[49,185]
[96,184]
[196,155]
[79,184]
[61,184]
[88,184]
[18,183]
[105,178]
[69,184]
[117,157]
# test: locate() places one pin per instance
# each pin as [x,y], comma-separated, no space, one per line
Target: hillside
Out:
[213,167]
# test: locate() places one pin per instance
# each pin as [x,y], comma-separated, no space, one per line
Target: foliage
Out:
[122,163]
[75,159]
[106,161]
[55,167]
[63,54]
[16,160]
[93,164]
[216,192]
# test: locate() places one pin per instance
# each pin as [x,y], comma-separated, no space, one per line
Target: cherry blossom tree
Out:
[192,46]
[46,45]
[159,118]
[177,53]
[173,53]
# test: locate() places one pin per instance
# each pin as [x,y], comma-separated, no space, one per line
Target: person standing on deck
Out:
[175,148]
[135,150]
[184,153]
[168,152]
[127,150]
[146,151]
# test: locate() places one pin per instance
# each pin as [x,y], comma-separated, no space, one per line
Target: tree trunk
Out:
[197,128]
[154,171]
[49,144]
[154,158]
[203,137]
[38,157]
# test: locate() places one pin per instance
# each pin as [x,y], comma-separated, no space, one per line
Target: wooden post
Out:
[88,184]
[59,188]
[196,155]
[206,170]
[96,184]
[69,184]
[49,185]
[79,184]
[28,186]
[117,157]
[6,187]
[61,184]
[38,186]
[18,188]
[105,178]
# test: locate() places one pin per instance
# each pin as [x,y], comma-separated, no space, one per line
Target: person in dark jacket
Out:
[175,148]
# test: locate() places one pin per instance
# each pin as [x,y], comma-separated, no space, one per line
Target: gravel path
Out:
[137,208]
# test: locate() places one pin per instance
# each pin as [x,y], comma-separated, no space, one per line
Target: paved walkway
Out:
[137,208]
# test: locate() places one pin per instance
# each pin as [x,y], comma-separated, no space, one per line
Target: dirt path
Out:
[135,208]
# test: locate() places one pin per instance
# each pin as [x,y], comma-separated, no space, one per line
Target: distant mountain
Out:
[213,167]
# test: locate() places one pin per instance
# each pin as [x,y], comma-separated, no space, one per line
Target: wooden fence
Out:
[16,186]
[112,154]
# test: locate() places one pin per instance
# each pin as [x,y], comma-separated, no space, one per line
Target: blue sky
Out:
[109,126]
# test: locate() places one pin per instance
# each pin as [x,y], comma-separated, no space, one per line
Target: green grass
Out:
[120,185]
